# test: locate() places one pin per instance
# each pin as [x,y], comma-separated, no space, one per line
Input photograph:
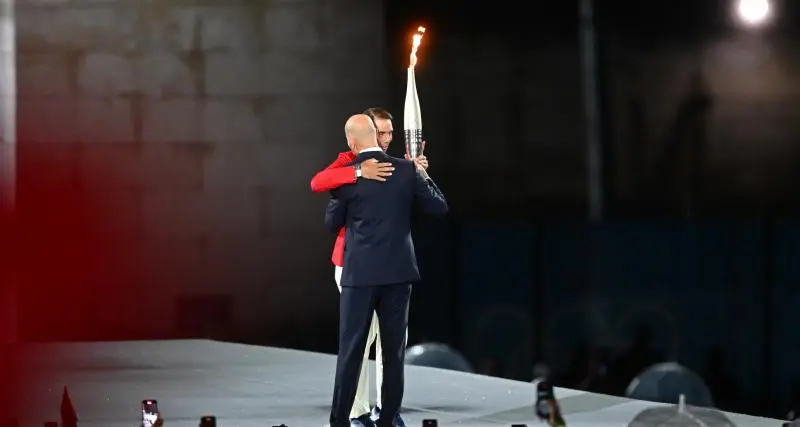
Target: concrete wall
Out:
[7,102]
[492,101]
[199,125]
[749,126]
[7,164]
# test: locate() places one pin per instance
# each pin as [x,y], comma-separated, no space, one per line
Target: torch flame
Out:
[415,41]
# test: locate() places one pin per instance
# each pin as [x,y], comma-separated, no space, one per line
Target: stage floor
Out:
[261,386]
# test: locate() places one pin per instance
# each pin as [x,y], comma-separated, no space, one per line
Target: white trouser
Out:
[361,403]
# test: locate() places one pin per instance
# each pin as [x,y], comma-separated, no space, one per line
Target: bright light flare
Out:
[415,42]
[753,13]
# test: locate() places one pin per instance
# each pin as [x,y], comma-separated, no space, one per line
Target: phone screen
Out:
[149,412]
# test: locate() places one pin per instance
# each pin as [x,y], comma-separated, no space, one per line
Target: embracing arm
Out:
[428,196]
[335,215]
[334,175]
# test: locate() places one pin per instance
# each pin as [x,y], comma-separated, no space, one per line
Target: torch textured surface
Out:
[412,118]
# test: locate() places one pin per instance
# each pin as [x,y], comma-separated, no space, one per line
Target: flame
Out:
[415,42]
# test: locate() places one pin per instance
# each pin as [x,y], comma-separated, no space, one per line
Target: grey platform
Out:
[261,386]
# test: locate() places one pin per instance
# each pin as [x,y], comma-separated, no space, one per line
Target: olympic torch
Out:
[412,119]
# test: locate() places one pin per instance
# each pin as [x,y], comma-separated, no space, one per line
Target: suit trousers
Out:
[357,307]
[361,402]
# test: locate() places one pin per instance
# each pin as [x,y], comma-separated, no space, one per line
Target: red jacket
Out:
[334,176]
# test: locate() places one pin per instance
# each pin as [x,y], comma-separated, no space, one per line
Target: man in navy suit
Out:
[379,267]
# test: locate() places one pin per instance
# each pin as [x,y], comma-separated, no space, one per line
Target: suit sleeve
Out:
[428,196]
[335,215]
[334,175]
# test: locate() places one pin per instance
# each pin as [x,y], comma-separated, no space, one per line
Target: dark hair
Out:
[378,113]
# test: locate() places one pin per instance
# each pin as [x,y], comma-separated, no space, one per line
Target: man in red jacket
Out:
[339,173]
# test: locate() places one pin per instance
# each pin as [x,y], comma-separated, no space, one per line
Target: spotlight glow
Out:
[753,13]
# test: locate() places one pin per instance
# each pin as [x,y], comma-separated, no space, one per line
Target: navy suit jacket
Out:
[378,248]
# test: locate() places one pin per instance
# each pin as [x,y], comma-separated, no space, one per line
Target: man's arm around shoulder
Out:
[428,196]
[336,174]
[335,214]
[343,172]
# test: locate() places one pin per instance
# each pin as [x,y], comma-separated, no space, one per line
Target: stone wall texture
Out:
[7,102]
[206,120]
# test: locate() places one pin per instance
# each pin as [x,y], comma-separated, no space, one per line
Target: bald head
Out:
[360,132]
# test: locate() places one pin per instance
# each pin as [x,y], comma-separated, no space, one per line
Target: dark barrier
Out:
[721,294]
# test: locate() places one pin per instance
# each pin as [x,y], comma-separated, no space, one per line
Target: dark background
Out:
[183,135]
[699,127]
